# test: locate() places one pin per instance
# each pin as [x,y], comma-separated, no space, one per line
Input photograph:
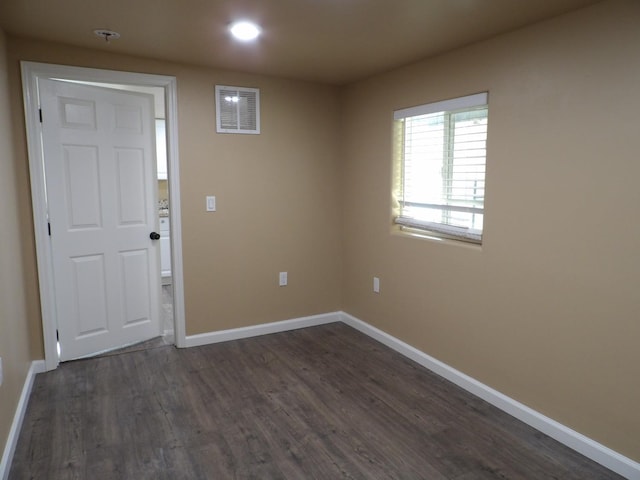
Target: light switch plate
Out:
[211,203]
[283,279]
[376,285]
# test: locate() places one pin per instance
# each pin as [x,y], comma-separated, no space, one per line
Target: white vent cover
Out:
[237,110]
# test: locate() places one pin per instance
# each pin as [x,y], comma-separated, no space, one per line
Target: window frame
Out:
[446,205]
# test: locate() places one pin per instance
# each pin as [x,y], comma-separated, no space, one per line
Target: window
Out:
[237,109]
[440,160]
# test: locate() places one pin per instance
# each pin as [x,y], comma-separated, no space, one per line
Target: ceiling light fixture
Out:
[245,31]
[107,34]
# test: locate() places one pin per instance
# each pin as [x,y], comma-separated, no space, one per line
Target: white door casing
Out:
[32,73]
[99,156]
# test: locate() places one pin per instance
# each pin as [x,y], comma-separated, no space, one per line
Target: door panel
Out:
[77,114]
[99,149]
[82,182]
[89,295]
[128,119]
[132,197]
[133,270]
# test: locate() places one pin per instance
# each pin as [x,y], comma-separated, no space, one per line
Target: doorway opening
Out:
[168,208]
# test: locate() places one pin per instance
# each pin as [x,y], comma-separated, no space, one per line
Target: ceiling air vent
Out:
[237,110]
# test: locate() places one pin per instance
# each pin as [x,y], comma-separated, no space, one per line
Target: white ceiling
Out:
[332,41]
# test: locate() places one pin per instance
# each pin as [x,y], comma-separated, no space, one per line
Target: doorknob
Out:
[154,236]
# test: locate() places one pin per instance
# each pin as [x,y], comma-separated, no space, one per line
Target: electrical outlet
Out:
[283,279]
[211,203]
[376,285]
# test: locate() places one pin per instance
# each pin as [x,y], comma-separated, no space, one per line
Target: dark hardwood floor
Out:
[320,403]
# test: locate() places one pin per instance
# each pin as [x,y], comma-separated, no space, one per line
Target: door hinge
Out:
[40,113]
[49,228]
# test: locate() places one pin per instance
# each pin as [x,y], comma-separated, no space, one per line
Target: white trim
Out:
[31,73]
[468,101]
[263,329]
[38,200]
[589,448]
[36,367]
[175,218]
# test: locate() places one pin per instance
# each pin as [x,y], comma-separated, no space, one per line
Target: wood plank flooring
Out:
[319,403]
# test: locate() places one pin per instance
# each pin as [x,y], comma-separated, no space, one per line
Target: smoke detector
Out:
[107,35]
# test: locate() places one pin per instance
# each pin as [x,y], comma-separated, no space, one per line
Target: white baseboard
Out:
[37,366]
[589,448]
[263,329]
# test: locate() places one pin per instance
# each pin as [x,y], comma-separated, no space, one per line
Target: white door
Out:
[99,156]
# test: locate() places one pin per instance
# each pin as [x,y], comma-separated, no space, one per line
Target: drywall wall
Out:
[277,192]
[547,310]
[14,333]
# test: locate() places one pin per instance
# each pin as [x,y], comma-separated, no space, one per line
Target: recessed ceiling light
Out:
[245,31]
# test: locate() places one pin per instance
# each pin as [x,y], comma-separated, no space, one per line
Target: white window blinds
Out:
[442,166]
[237,109]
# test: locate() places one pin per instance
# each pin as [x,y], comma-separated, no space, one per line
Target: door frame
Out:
[31,73]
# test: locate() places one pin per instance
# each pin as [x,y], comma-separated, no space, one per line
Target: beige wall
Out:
[547,311]
[277,197]
[14,335]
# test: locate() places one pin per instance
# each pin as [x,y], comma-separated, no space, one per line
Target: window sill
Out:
[433,237]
